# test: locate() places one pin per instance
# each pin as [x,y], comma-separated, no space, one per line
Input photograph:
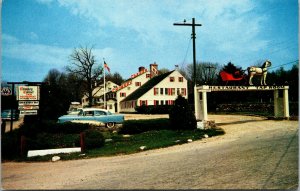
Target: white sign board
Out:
[28,112]
[28,107]
[28,102]
[28,93]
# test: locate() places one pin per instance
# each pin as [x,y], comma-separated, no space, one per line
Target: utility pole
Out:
[209,77]
[193,24]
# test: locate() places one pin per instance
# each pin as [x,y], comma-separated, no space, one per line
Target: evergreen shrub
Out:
[93,139]
[181,115]
[10,145]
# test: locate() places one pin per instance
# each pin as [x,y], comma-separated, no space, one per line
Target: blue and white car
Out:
[94,116]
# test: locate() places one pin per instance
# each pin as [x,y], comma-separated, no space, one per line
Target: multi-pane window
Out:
[137,83]
[155,91]
[166,91]
[172,79]
[172,91]
[180,79]
[122,94]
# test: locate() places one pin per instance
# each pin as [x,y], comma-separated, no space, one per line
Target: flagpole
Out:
[104,84]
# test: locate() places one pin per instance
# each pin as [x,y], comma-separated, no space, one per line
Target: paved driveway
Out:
[253,154]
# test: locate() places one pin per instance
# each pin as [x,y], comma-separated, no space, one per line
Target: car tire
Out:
[110,124]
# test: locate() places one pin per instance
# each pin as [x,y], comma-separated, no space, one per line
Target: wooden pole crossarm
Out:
[193,24]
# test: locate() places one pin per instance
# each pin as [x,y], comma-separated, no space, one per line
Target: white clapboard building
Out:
[98,98]
[150,88]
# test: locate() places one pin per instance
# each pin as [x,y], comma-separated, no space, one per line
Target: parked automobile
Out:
[6,114]
[93,116]
[74,108]
[74,111]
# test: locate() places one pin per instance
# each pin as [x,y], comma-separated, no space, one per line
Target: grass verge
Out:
[127,145]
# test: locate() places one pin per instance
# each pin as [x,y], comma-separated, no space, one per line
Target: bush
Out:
[139,126]
[154,109]
[181,116]
[10,145]
[32,129]
[93,139]
[53,141]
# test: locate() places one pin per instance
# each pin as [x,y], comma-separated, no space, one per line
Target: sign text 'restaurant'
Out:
[244,88]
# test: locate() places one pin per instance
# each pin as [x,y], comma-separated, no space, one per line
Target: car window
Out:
[80,112]
[98,113]
[88,113]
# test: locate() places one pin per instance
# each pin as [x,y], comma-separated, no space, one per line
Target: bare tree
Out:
[84,66]
[207,72]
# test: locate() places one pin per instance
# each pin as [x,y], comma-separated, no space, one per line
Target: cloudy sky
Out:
[38,35]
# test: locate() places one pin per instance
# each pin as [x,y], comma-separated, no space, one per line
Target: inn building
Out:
[150,88]
[145,87]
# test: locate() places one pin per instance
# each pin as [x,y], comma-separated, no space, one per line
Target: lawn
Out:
[120,144]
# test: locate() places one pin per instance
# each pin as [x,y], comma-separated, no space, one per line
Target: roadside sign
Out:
[28,102]
[28,112]
[6,91]
[28,93]
[28,107]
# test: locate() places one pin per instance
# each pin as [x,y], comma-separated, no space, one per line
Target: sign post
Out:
[28,96]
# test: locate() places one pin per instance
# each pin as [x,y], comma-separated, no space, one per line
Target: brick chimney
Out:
[141,69]
[153,69]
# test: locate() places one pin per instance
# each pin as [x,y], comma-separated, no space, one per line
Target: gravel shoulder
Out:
[255,153]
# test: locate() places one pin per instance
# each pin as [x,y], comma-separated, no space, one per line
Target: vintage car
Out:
[74,111]
[93,116]
[74,108]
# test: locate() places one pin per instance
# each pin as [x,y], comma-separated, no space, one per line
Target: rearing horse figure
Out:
[262,71]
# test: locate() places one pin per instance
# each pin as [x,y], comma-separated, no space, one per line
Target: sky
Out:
[40,35]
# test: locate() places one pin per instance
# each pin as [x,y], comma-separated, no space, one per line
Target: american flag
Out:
[106,66]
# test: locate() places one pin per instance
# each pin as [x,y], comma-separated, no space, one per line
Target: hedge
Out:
[140,126]
[154,109]
[93,139]
[52,141]
[52,127]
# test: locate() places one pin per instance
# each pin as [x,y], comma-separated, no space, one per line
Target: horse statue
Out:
[262,71]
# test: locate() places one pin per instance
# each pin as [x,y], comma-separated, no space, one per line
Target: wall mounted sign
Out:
[6,91]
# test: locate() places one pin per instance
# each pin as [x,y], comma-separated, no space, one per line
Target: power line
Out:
[284,64]
[187,50]
[193,25]
[267,54]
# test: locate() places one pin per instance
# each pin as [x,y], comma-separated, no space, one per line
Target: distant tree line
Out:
[84,73]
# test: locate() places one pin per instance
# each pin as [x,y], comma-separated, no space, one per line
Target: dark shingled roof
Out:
[146,87]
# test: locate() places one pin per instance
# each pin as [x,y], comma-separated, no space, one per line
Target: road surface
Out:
[255,153]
